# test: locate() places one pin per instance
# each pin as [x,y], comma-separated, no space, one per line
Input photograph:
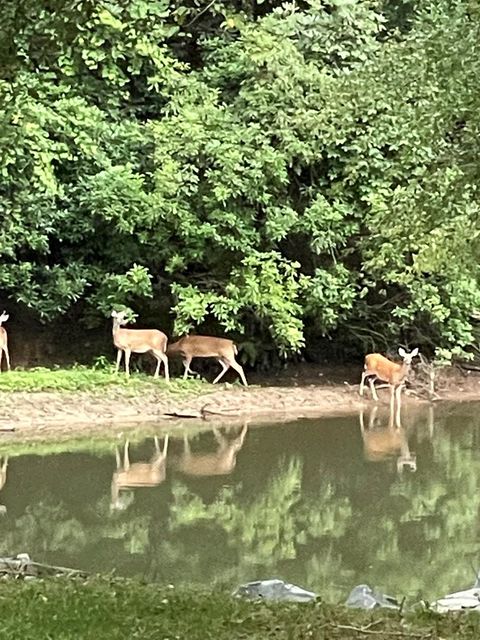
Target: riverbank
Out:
[39,404]
[114,609]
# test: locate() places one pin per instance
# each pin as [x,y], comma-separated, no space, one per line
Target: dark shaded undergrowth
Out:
[101,608]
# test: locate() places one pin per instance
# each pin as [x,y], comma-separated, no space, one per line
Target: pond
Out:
[317,502]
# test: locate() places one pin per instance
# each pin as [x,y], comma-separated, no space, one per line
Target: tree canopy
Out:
[289,172]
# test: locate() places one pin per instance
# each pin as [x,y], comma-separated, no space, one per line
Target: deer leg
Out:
[239,369]
[128,353]
[186,364]
[225,367]
[7,357]
[1,355]
[157,368]
[157,445]
[126,461]
[371,382]
[362,383]
[119,359]
[186,444]
[164,359]
[165,445]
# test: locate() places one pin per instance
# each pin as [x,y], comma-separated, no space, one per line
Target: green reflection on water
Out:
[303,501]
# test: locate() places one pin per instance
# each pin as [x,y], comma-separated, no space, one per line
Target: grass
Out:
[92,379]
[114,609]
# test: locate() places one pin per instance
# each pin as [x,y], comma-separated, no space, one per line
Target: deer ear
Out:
[114,314]
[414,352]
[402,352]
[6,317]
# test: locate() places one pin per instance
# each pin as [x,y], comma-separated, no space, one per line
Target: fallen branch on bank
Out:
[21,566]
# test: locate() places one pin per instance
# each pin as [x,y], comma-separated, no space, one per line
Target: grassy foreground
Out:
[112,609]
[81,378]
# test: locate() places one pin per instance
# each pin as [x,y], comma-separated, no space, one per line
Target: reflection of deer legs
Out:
[157,446]
[126,460]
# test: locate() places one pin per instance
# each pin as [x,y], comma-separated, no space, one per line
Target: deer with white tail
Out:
[393,373]
[223,350]
[138,341]
[4,341]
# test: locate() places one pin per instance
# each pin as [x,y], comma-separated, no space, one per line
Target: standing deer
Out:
[138,474]
[4,341]
[393,373]
[3,479]
[219,463]
[381,443]
[138,341]
[222,349]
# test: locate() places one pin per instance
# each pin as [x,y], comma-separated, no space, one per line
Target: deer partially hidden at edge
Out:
[138,341]
[223,350]
[393,373]
[4,341]
[138,474]
[3,479]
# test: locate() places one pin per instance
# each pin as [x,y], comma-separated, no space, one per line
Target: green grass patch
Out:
[124,609]
[82,378]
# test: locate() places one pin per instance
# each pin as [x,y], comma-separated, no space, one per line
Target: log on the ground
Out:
[21,566]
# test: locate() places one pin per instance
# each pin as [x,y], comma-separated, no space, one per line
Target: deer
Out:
[381,443]
[138,341]
[4,341]
[219,463]
[393,373]
[137,474]
[222,349]
[3,479]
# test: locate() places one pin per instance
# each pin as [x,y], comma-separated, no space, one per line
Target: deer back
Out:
[202,347]
[140,340]
[385,369]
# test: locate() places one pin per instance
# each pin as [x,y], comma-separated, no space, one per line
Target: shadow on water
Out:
[324,503]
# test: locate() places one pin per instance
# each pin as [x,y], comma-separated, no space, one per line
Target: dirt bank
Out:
[296,393]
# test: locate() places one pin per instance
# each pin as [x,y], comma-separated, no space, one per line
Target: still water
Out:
[317,502]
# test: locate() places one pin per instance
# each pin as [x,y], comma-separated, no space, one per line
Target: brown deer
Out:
[382,443]
[219,463]
[223,350]
[4,341]
[3,479]
[138,341]
[137,474]
[393,373]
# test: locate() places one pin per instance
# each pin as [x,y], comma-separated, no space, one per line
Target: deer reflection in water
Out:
[381,443]
[220,462]
[3,479]
[137,474]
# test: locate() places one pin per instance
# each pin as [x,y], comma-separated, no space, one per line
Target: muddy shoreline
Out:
[51,415]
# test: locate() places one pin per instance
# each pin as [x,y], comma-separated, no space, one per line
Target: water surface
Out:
[316,502]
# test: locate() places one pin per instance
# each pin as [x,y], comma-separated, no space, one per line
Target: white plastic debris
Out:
[275,590]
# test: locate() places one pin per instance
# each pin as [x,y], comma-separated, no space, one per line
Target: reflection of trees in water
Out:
[327,528]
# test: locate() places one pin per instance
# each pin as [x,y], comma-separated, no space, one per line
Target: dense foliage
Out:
[283,172]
